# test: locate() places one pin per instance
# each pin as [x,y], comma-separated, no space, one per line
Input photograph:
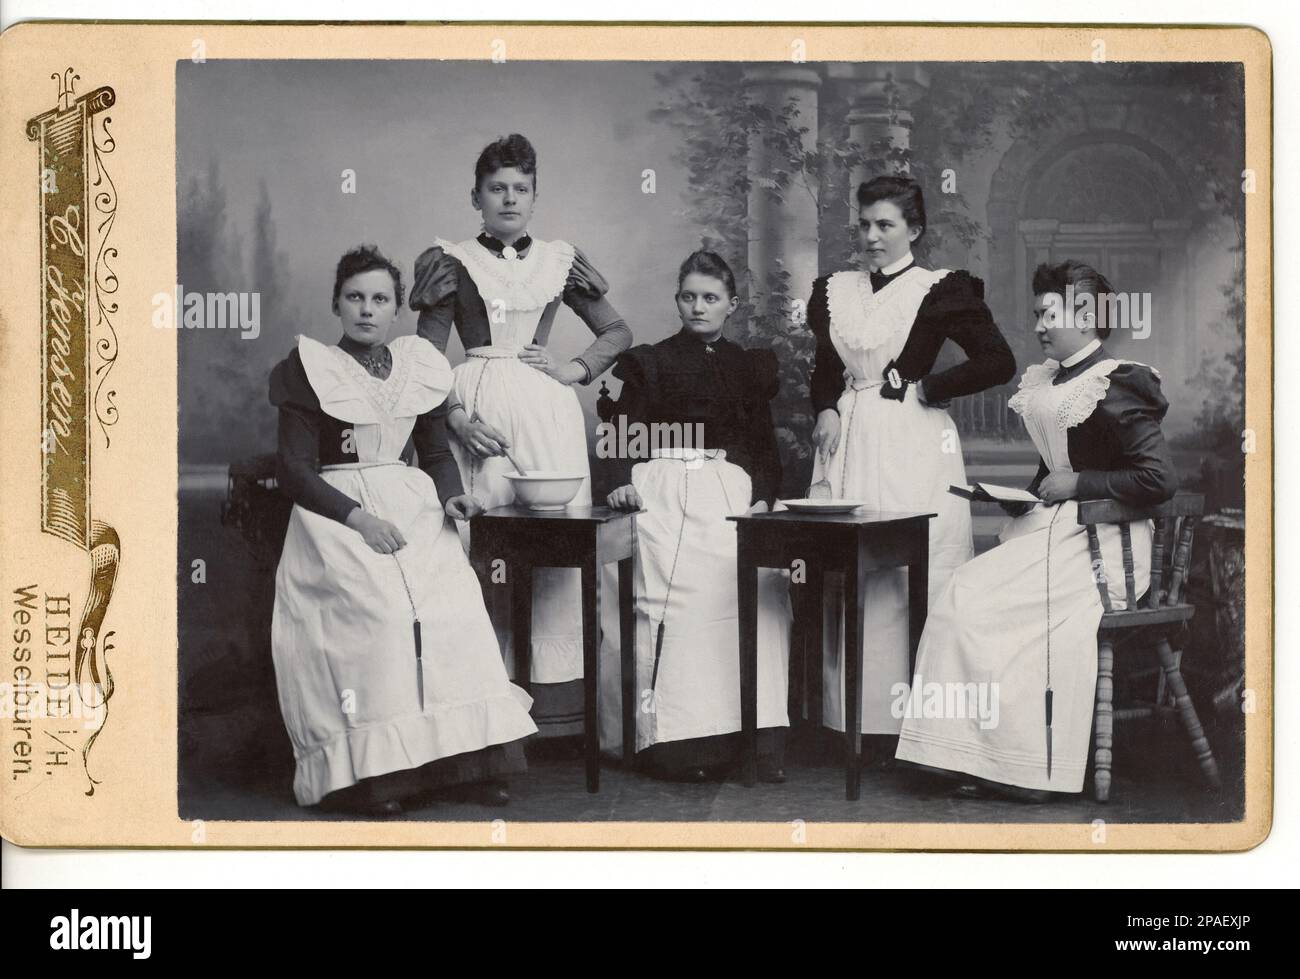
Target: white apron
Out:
[541,417]
[894,455]
[697,690]
[989,628]
[341,631]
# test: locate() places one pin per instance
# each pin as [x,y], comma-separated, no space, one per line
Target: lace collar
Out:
[526,283]
[1078,397]
[862,319]
[419,380]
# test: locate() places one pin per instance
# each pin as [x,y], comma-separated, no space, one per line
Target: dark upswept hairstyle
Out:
[506,151]
[902,191]
[705,262]
[365,258]
[1084,278]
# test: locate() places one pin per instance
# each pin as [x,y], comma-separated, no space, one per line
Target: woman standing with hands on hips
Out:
[501,291]
[883,435]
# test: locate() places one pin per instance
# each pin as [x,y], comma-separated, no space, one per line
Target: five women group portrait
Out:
[398,691]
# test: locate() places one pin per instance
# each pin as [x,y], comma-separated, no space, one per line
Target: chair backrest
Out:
[1174,520]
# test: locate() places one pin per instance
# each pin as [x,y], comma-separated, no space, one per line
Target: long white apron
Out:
[543,420]
[342,635]
[894,455]
[983,665]
[684,537]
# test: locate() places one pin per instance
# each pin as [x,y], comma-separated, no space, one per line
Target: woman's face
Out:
[1061,331]
[367,306]
[883,233]
[506,199]
[703,305]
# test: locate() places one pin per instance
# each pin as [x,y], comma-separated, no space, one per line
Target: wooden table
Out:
[586,538]
[854,544]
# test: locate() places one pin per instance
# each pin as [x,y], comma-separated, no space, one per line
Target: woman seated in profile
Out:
[698,383]
[1023,616]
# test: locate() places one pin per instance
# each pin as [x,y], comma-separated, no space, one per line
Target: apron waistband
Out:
[360,465]
[861,384]
[688,454]
[494,352]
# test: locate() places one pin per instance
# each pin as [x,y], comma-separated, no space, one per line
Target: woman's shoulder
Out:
[956,286]
[765,371]
[582,274]
[437,275]
[1134,384]
[289,385]
[640,363]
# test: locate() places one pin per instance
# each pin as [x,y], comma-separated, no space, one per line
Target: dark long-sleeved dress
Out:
[706,451]
[877,340]
[498,305]
[358,705]
[994,636]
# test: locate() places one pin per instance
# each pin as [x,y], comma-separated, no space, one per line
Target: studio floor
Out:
[1155,781]
[236,762]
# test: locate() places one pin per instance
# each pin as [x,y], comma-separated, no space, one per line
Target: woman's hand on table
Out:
[381,536]
[538,357]
[624,498]
[463,507]
[477,435]
[759,507]
[826,433]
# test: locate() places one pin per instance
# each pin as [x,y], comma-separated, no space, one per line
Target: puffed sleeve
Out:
[584,293]
[765,383]
[433,295]
[298,443]
[636,368]
[1134,407]
[955,306]
[826,383]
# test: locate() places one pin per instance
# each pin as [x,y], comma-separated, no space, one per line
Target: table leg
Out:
[627,647]
[797,678]
[590,671]
[521,622]
[747,610]
[815,647]
[918,597]
[854,592]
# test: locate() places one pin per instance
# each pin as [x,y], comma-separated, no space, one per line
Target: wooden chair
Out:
[1161,613]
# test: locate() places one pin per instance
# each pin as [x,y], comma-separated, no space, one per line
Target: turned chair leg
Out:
[1103,720]
[1187,712]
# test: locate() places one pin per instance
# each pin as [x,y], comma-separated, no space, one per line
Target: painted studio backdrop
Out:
[282,166]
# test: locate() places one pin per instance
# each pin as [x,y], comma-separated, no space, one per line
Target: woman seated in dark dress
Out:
[706,397]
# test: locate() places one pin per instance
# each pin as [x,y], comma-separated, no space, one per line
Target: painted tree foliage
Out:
[968,110]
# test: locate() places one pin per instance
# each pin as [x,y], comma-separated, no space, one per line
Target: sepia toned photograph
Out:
[516,398]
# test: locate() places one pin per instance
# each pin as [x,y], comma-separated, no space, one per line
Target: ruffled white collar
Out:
[862,319]
[418,382]
[1077,398]
[526,283]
